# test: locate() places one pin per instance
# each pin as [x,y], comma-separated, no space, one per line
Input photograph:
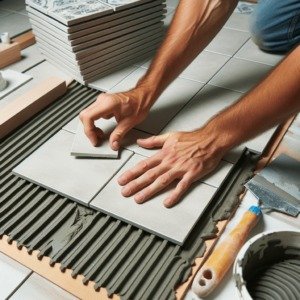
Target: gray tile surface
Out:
[228,41]
[53,167]
[238,21]
[12,4]
[12,274]
[168,104]
[250,51]
[37,287]
[82,146]
[240,75]
[14,24]
[208,102]
[173,224]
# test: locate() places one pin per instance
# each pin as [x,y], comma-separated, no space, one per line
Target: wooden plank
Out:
[9,53]
[54,274]
[23,108]
[25,40]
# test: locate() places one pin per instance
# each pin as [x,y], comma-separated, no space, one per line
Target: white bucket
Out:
[266,268]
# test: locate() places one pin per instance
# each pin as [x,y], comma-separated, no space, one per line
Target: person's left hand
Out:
[185,156]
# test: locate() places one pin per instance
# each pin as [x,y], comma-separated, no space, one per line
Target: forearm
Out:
[194,25]
[275,99]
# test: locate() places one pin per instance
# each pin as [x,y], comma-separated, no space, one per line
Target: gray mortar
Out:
[125,260]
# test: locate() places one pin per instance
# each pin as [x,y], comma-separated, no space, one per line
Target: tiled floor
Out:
[229,67]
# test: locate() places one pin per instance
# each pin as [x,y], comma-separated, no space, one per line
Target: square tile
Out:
[37,287]
[31,56]
[204,66]
[14,80]
[52,167]
[208,102]
[172,3]
[82,146]
[152,216]
[168,104]
[12,274]
[14,24]
[238,21]
[109,81]
[240,75]
[250,51]
[228,41]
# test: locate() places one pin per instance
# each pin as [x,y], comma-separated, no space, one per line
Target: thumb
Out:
[153,141]
[118,134]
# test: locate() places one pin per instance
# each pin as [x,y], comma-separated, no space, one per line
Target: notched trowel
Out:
[277,187]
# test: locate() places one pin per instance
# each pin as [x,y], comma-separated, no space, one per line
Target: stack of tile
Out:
[92,38]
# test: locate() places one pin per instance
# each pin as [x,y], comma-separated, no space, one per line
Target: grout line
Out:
[19,285]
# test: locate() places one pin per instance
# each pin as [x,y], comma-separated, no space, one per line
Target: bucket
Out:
[268,267]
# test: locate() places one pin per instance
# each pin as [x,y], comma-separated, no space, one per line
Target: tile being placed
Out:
[152,216]
[250,51]
[168,104]
[82,146]
[31,56]
[52,167]
[37,287]
[14,80]
[12,274]
[228,41]
[15,24]
[240,75]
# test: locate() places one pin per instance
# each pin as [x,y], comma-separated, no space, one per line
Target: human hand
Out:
[185,156]
[128,108]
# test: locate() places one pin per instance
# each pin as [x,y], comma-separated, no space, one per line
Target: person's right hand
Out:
[129,109]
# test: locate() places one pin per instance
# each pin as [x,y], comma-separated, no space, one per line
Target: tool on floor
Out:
[223,256]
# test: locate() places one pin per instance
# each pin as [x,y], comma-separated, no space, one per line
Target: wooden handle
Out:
[218,263]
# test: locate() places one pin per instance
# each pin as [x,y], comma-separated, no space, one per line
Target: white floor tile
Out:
[228,41]
[240,75]
[168,104]
[12,274]
[14,24]
[250,51]
[37,287]
[238,21]
[12,4]
[152,216]
[53,167]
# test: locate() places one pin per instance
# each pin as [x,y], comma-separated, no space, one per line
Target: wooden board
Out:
[23,108]
[25,40]
[9,53]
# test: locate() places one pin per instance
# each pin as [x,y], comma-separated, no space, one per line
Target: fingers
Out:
[181,188]
[102,108]
[158,185]
[153,141]
[139,169]
[144,180]
[119,132]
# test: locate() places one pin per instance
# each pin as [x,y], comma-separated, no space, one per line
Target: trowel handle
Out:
[222,257]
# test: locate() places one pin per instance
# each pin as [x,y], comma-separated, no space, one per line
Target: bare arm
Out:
[188,156]
[194,25]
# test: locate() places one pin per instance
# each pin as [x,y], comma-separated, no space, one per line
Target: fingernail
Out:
[167,203]
[115,145]
[121,180]
[139,198]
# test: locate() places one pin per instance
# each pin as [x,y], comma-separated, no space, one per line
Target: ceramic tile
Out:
[240,75]
[172,3]
[208,102]
[14,80]
[238,21]
[228,41]
[250,51]
[108,82]
[37,287]
[31,56]
[3,12]
[152,216]
[78,179]
[14,24]
[168,104]
[12,274]
[82,146]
